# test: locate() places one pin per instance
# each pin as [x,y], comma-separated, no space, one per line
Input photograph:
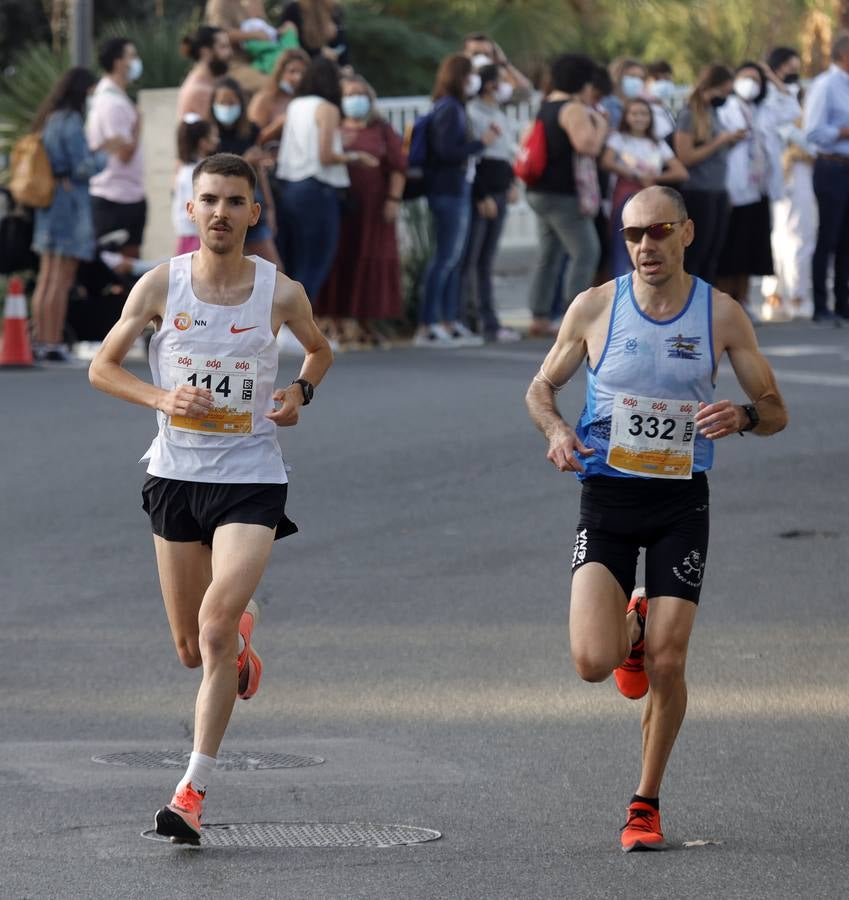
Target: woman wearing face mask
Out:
[629,81]
[754,175]
[267,109]
[237,134]
[312,168]
[660,90]
[491,191]
[364,285]
[449,173]
[702,146]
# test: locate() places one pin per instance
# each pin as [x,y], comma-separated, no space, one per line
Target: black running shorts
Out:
[669,518]
[191,510]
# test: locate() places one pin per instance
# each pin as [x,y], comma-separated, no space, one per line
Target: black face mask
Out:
[792,78]
[217,67]
[716,102]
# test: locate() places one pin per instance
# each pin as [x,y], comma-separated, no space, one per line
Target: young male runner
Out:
[216,486]
[652,341]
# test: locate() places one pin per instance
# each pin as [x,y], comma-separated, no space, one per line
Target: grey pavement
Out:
[414,636]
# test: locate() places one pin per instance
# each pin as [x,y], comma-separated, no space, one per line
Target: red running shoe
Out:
[180,820]
[631,678]
[642,830]
[248,663]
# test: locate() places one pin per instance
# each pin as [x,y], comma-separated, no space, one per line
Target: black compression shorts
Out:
[669,518]
[191,510]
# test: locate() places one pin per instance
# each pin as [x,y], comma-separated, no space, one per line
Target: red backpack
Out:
[533,155]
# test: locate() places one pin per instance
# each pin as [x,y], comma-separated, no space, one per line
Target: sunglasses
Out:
[657,232]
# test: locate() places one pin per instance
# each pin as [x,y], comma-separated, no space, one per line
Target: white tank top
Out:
[298,157]
[232,351]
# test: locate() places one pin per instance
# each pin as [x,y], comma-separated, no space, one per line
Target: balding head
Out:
[657,260]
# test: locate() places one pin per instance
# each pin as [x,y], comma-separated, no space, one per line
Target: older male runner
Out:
[216,486]
[652,341]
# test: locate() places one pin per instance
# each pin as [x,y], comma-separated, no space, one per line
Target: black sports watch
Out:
[752,413]
[307,388]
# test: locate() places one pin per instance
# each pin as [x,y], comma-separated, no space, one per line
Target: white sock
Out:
[199,772]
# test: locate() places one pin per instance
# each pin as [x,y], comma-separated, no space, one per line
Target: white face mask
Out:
[225,113]
[504,92]
[134,72]
[479,60]
[632,85]
[473,84]
[663,89]
[747,88]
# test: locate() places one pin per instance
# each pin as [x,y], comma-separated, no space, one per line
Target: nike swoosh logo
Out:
[235,330]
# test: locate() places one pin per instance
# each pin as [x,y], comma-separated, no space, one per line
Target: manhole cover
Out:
[308,834]
[179,759]
[807,533]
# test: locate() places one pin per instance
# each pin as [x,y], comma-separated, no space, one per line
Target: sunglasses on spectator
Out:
[657,232]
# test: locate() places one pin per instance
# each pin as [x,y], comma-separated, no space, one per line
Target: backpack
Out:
[31,181]
[416,145]
[533,155]
[16,230]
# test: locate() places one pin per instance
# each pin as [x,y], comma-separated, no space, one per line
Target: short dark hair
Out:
[487,75]
[192,44]
[602,81]
[780,55]
[225,164]
[658,68]
[570,72]
[321,79]
[111,50]
[476,36]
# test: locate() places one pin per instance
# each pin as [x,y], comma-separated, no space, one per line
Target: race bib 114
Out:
[232,382]
[652,437]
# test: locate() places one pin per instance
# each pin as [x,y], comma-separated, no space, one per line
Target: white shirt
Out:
[754,164]
[258,24]
[298,157]
[183,225]
[642,154]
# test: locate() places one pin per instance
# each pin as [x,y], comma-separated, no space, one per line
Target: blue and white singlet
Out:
[670,360]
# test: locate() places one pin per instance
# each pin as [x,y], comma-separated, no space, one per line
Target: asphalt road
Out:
[414,636]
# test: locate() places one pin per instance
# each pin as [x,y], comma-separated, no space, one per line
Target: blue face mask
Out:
[632,86]
[226,114]
[356,106]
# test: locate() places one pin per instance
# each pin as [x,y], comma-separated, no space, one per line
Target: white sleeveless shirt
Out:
[232,351]
[298,157]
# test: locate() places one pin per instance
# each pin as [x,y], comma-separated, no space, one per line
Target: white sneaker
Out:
[507,336]
[434,336]
[464,336]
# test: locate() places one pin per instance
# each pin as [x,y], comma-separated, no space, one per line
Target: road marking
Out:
[789,376]
[791,350]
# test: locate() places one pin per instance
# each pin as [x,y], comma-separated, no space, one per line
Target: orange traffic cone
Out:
[17,350]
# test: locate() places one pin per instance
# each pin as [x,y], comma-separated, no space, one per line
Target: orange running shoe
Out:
[642,830]
[180,820]
[631,678]
[248,658]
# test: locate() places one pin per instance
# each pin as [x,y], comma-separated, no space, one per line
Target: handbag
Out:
[586,184]
[533,155]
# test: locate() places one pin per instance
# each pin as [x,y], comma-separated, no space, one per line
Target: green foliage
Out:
[25,85]
[392,55]
[416,247]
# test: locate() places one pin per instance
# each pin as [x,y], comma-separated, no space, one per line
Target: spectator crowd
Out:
[762,163]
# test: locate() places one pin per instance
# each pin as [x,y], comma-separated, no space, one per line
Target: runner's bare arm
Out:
[561,363]
[736,336]
[145,303]
[292,308]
